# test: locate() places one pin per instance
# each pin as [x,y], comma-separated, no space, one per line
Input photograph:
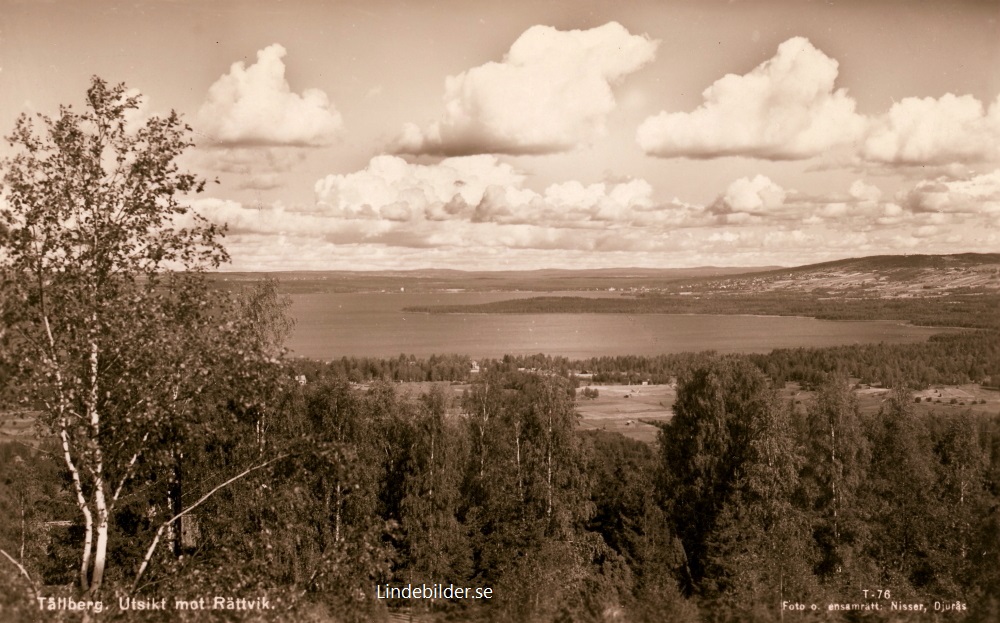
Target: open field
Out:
[935,399]
[627,409]
[630,409]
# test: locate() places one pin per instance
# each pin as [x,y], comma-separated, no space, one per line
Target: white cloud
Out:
[834,210]
[572,205]
[749,197]
[136,118]
[785,108]
[389,179]
[891,214]
[754,195]
[478,212]
[552,92]
[928,131]
[976,195]
[892,210]
[481,189]
[863,191]
[255,106]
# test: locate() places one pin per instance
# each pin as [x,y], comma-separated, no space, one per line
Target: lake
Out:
[334,325]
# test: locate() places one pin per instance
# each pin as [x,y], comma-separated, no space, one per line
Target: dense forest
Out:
[945,359]
[745,503]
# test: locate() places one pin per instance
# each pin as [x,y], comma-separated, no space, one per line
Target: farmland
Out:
[635,411]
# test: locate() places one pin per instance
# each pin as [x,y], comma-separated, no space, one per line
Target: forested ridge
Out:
[973,309]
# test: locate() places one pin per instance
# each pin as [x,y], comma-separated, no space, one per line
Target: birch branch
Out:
[128,470]
[31,583]
[169,522]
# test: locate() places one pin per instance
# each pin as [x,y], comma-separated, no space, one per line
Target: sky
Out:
[392,135]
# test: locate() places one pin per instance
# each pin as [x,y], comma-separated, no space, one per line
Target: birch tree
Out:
[729,469]
[898,497]
[436,545]
[100,264]
[837,455]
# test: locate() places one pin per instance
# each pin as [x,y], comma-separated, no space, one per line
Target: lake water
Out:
[330,326]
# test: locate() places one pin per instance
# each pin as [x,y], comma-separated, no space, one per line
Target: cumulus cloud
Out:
[551,92]
[942,208]
[977,195]
[753,195]
[481,189]
[928,131]
[749,200]
[863,191]
[786,108]
[758,201]
[479,212]
[891,214]
[277,219]
[252,106]
[449,187]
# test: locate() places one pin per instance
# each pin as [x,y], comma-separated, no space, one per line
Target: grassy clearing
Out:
[628,409]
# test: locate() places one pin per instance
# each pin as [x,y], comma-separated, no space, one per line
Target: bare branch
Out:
[31,447]
[24,572]
[128,470]
[169,522]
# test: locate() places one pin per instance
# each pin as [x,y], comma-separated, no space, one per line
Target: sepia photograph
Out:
[347,311]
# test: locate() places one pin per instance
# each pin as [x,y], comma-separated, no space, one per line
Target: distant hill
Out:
[882,276]
[899,263]
[934,290]
[874,276]
[543,280]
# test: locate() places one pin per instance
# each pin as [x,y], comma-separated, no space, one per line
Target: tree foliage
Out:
[119,341]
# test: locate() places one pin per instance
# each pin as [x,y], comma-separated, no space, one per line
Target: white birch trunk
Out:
[835,474]
[101,551]
[81,502]
[548,460]
[23,529]
[520,482]
[336,518]
[482,433]
[100,501]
